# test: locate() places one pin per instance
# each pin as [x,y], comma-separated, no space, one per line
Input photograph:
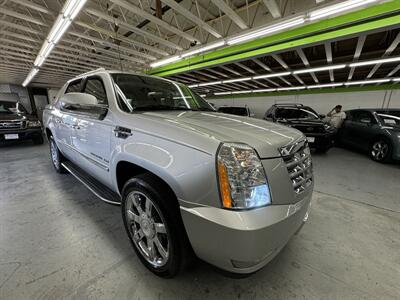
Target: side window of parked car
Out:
[94,86]
[74,86]
[362,115]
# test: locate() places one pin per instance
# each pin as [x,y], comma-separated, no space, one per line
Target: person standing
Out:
[336,117]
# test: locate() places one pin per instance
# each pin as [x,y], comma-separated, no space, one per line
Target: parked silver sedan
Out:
[231,190]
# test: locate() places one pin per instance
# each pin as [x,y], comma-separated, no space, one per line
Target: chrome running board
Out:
[100,190]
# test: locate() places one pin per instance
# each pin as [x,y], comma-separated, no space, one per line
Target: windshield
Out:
[296,113]
[142,93]
[7,107]
[389,118]
[240,111]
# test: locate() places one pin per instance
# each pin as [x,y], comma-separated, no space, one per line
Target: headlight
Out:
[34,124]
[242,180]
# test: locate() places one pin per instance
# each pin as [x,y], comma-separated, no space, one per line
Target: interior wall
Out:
[322,103]
[10,90]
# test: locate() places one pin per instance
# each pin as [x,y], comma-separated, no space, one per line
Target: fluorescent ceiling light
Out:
[396,79]
[165,61]
[272,75]
[72,8]
[210,83]
[237,80]
[62,30]
[291,88]
[266,30]
[222,93]
[367,82]
[374,62]
[337,8]
[312,70]
[240,92]
[203,49]
[320,86]
[264,90]
[203,95]
[193,85]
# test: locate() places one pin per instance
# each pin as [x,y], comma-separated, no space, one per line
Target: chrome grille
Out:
[12,124]
[299,166]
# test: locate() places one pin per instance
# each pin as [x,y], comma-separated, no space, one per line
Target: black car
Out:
[319,134]
[376,131]
[17,124]
[236,110]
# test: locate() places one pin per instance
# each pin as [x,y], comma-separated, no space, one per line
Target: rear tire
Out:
[381,150]
[153,223]
[56,157]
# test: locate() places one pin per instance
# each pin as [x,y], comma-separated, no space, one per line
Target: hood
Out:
[266,137]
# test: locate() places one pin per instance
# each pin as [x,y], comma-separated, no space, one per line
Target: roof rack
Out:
[91,72]
[289,104]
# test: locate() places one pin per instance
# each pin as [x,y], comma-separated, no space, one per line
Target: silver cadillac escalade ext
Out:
[191,181]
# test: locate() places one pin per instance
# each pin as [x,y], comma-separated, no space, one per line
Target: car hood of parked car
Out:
[266,137]
[16,117]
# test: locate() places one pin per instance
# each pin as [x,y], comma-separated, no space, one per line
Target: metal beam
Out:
[222,5]
[18,15]
[305,61]
[112,35]
[127,26]
[273,8]
[192,17]
[34,6]
[388,51]
[144,14]
[360,44]
[329,59]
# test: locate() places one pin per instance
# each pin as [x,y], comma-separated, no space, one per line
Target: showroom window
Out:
[95,87]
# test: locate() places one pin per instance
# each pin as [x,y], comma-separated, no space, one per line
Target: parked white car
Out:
[190,180]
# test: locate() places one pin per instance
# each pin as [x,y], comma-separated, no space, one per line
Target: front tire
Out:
[56,157]
[154,226]
[380,150]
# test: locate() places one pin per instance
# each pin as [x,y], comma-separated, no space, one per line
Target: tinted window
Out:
[147,93]
[296,113]
[389,118]
[74,87]
[95,87]
[240,111]
[362,114]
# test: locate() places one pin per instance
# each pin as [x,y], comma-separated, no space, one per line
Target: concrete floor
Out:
[59,241]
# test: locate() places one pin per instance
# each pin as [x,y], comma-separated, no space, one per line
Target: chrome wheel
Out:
[380,150]
[147,228]
[54,153]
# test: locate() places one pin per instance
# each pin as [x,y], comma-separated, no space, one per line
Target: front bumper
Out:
[23,134]
[243,241]
[321,140]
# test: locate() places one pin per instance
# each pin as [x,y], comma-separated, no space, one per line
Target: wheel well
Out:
[126,170]
[379,136]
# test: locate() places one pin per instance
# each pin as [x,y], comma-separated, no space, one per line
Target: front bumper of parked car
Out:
[243,241]
[23,134]
[321,140]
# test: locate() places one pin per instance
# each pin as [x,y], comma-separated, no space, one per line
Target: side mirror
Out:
[83,103]
[322,116]
[71,100]
[366,121]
